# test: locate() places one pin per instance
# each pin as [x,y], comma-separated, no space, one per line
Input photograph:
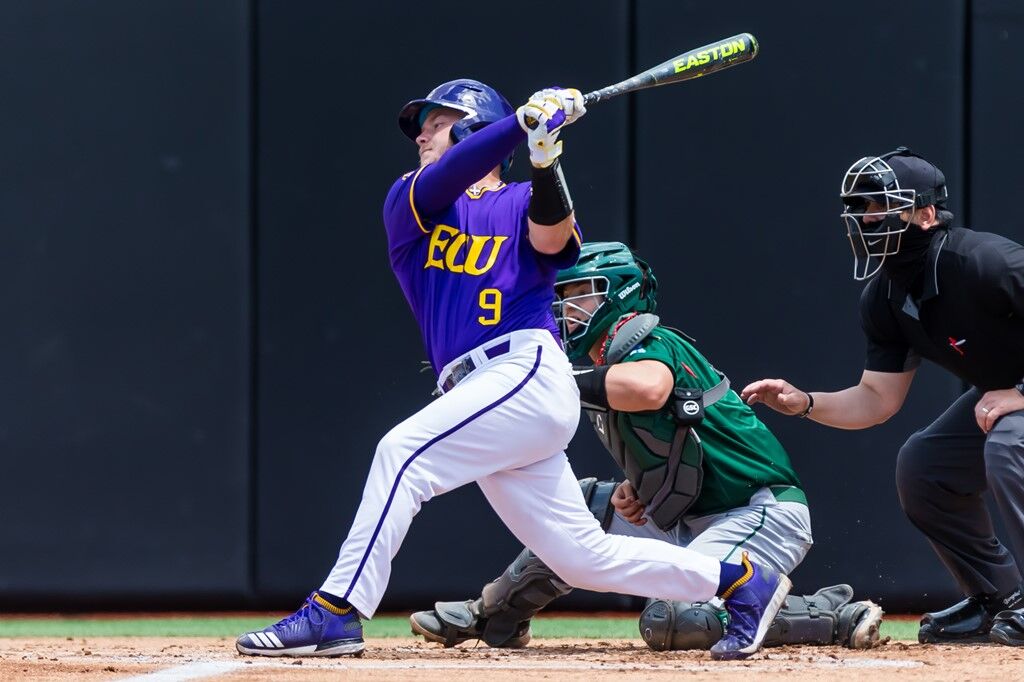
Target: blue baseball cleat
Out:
[753,601]
[317,629]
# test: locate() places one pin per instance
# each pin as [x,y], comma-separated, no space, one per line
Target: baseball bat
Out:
[719,55]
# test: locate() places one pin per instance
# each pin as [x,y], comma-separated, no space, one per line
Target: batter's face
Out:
[582,308]
[435,134]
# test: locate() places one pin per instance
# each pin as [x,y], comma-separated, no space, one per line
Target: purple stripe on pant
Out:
[421,450]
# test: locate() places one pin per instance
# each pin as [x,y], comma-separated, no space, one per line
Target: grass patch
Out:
[617,627]
[900,630]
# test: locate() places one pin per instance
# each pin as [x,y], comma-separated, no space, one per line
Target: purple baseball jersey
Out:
[469,272]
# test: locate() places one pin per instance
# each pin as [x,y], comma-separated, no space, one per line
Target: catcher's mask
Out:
[619,281]
[888,185]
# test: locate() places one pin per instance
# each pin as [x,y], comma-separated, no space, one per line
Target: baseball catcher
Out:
[701,471]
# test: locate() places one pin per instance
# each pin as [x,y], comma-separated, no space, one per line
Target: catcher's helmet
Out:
[481,103]
[897,181]
[625,283]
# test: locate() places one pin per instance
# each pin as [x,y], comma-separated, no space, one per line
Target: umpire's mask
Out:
[875,181]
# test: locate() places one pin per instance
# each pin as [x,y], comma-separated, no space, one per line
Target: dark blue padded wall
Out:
[124,261]
[996,101]
[186,182]
[738,209]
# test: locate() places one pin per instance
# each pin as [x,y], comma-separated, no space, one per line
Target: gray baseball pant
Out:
[941,473]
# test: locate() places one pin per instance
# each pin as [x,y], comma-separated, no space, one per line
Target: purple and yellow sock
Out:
[335,605]
[734,576]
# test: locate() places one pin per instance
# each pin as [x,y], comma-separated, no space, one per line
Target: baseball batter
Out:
[477,260]
[718,483]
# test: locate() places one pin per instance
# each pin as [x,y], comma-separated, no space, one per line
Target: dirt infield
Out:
[408,659]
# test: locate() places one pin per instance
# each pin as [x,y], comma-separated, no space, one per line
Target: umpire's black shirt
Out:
[965,313]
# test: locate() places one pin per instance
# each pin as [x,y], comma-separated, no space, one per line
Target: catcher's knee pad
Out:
[826,617]
[677,625]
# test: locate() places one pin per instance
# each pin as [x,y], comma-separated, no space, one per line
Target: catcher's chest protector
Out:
[663,462]
[666,474]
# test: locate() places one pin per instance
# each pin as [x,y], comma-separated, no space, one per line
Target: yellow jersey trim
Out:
[412,204]
[481,191]
[578,234]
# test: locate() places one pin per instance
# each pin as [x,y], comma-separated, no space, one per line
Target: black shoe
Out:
[968,622]
[1008,628]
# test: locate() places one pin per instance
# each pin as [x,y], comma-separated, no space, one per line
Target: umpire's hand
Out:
[778,394]
[995,404]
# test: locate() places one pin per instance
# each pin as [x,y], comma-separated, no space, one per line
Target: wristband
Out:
[810,405]
[591,383]
[550,202]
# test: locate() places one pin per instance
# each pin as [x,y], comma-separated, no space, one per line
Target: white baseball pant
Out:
[506,426]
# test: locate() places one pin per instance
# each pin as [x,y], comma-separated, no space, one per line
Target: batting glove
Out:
[543,117]
[543,143]
[570,100]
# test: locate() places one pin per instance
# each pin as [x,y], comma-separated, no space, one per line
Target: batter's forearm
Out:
[551,239]
[441,183]
[551,216]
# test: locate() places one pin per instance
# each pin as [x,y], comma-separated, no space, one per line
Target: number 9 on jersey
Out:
[490,301]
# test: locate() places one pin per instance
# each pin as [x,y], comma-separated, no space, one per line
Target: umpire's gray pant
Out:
[941,473]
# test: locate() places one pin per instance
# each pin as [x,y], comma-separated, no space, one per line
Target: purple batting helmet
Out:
[481,103]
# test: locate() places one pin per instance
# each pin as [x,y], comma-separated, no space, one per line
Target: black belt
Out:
[462,369]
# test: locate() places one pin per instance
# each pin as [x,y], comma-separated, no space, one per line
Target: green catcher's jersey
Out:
[741,455]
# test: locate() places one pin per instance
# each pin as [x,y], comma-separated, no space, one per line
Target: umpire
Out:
[955,297]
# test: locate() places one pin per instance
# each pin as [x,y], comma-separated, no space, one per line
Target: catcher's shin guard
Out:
[508,603]
[501,616]
[528,585]
[826,617]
